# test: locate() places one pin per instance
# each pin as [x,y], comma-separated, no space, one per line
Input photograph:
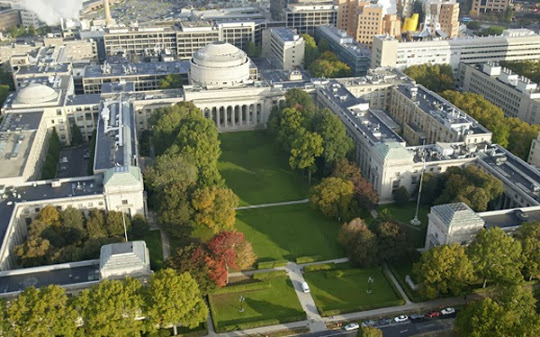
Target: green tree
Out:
[73,224]
[33,252]
[435,77]
[496,256]
[392,240]
[401,196]
[333,197]
[215,208]
[53,156]
[290,126]
[304,150]
[323,45]
[95,225]
[115,223]
[336,143]
[175,211]
[364,192]
[311,52]
[529,236]
[4,93]
[110,308]
[76,135]
[360,243]
[5,324]
[444,270]
[369,331]
[470,185]
[329,66]
[171,81]
[253,50]
[174,299]
[529,69]
[44,312]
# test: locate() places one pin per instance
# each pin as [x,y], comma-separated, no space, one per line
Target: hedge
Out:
[272,264]
[243,287]
[257,324]
[342,272]
[270,274]
[53,156]
[308,259]
[318,267]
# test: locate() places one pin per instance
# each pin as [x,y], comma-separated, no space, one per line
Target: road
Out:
[404,329]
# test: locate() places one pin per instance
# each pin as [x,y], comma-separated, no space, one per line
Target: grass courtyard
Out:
[288,232]
[277,304]
[348,293]
[404,214]
[257,169]
[153,242]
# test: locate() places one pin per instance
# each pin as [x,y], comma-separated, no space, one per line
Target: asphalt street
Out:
[404,329]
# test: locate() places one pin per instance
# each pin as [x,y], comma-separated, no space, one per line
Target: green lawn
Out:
[257,169]
[348,293]
[278,302]
[404,215]
[288,232]
[153,242]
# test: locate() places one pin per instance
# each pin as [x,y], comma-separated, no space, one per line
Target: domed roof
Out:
[219,54]
[36,93]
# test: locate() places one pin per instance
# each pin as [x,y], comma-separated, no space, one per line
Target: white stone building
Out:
[285,47]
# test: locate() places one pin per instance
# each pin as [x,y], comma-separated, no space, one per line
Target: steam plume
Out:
[51,11]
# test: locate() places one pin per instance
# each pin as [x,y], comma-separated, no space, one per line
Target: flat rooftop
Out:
[136,69]
[340,37]
[46,68]
[17,133]
[285,34]
[40,279]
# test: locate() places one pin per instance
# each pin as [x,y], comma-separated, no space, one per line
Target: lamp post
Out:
[121,208]
[415,221]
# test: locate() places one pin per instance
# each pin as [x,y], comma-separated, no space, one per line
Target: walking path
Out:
[396,284]
[274,204]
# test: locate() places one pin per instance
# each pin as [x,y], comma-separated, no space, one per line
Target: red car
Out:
[433,314]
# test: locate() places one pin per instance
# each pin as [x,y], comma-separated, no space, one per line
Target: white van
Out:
[305,287]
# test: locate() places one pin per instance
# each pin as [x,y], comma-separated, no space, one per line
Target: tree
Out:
[510,313]
[435,77]
[392,241]
[193,260]
[253,50]
[110,308]
[4,93]
[215,208]
[50,215]
[333,197]
[115,223]
[360,242]
[432,186]
[5,324]
[336,143]
[329,67]
[44,312]
[521,136]
[323,45]
[174,299]
[76,135]
[95,225]
[529,236]
[401,196]
[290,126]
[496,256]
[175,209]
[364,192]
[304,149]
[470,185]
[311,52]
[73,224]
[529,69]
[444,270]
[33,252]
[369,331]
[245,256]
[171,81]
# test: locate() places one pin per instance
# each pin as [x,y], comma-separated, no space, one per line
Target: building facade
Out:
[305,17]
[479,7]
[285,47]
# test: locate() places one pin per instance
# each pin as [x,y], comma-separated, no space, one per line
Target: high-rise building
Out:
[441,18]
[305,17]
[363,20]
[487,6]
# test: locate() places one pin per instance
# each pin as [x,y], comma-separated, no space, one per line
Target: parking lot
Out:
[73,162]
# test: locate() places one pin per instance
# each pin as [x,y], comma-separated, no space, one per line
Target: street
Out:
[404,329]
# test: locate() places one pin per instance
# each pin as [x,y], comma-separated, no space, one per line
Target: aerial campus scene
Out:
[270,168]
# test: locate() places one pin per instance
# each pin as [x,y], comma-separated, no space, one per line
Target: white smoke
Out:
[389,6]
[51,11]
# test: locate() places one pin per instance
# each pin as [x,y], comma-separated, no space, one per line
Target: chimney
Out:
[108,19]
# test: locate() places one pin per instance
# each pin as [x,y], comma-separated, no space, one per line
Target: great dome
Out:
[35,94]
[219,64]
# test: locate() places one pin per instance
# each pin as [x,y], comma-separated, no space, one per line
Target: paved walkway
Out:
[251,272]
[396,284]
[274,204]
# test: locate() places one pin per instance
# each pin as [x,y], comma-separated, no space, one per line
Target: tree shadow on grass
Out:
[266,312]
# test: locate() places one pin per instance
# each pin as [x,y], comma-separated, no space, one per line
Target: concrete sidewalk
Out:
[274,204]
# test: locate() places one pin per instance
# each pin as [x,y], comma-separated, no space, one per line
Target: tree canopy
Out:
[360,243]
[333,197]
[435,77]
[529,237]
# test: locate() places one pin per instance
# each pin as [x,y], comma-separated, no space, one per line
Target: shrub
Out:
[308,259]
[272,264]
[322,266]
[243,287]
[269,275]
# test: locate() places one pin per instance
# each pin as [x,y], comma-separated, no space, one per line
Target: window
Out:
[36,209]
[124,202]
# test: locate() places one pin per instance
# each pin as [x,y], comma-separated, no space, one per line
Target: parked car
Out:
[351,327]
[416,317]
[433,314]
[448,311]
[384,321]
[401,318]
[368,323]
[305,287]
[64,160]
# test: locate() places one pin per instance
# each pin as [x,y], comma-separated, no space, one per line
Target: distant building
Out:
[305,17]
[9,18]
[516,95]
[285,47]
[534,153]
[479,7]
[354,54]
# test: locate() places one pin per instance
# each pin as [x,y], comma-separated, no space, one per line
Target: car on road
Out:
[433,314]
[351,327]
[448,311]
[416,317]
[305,287]
[368,323]
[401,318]
[384,321]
